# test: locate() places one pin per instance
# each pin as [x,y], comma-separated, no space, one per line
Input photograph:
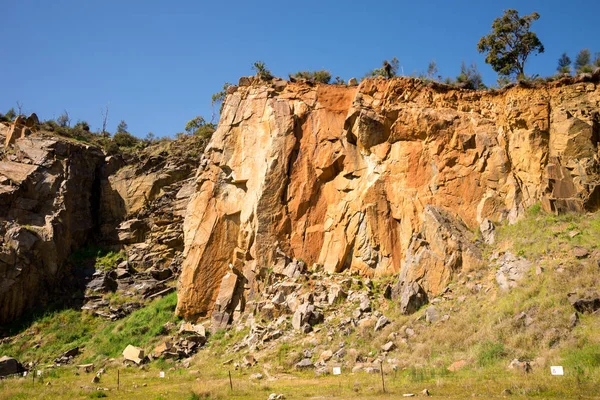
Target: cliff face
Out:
[47,210]
[57,195]
[390,177]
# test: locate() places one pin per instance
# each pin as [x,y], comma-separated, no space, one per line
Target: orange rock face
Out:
[366,178]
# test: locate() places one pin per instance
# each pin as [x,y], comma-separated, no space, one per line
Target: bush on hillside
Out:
[262,72]
[321,76]
[199,127]
[470,77]
[9,116]
[125,139]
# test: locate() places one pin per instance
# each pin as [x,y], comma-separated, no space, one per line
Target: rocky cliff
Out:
[58,195]
[47,210]
[390,177]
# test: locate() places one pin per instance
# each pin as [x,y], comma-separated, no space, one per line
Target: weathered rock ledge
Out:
[390,177]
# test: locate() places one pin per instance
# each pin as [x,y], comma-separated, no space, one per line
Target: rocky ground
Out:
[305,323]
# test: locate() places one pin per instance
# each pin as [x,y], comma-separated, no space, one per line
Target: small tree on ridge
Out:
[510,43]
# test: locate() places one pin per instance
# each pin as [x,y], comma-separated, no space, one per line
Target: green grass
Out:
[587,357]
[140,328]
[540,233]
[60,331]
[102,258]
[490,353]
[54,333]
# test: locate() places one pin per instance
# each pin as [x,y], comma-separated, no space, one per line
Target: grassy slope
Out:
[481,329]
[62,330]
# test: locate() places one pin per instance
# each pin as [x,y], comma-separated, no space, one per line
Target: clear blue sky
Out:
[157,63]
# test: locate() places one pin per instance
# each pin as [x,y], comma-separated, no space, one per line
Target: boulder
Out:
[336,294]
[586,301]
[523,366]
[256,377]
[133,353]
[194,329]
[162,348]
[381,323]
[67,356]
[132,231]
[249,361]
[326,356]
[279,299]
[87,368]
[32,121]
[245,81]
[294,269]
[10,366]
[574,320]
[227,301]
[431,314]
[511,269]
[304,364]
[365,304]
[488,231]
[161,274]
[389,346]
[442,247]
[303,315]
[411,297]
[103,282]
[580,252]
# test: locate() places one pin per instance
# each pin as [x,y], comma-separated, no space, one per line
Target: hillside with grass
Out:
[464,344]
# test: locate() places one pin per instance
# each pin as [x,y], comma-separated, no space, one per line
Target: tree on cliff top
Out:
[564,64]
[199,127]
[389,69]
[510,43]
[583,61]
[262,72]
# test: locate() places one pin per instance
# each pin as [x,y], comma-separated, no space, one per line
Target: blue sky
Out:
[157,63]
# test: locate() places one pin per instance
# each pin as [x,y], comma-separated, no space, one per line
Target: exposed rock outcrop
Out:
[57,195]
[47,210]
[387,177]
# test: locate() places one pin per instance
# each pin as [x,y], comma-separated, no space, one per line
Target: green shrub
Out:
[262,72]
[587,357]
[564,64]
[199,127]
[534,210]
[392,65]
[102,257]
[582,61]
[219,97]
[82,125]
[321,76]
[470,77]
[9,116]
[125,139]
[109,260]
[489,353]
